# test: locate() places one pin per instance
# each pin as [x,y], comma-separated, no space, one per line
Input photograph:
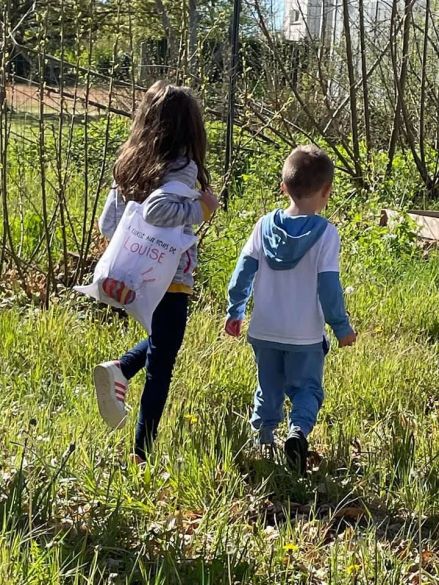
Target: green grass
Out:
[207,508]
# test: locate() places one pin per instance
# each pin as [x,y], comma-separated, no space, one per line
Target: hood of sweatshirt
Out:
[183,170]
[287,238]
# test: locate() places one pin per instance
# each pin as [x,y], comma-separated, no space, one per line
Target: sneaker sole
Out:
[109,406]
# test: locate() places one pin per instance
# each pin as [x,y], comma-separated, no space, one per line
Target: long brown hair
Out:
[167,125]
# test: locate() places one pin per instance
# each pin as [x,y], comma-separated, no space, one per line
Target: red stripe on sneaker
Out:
[120,396]
[120,385]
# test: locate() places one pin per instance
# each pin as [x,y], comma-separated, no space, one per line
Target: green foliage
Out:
[103,62]
[90,144]
[378,249]
[206,508]
[30,226]
[368,249]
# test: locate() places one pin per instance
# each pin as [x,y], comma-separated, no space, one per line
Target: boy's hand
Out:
[210,200]
[349,339]
[233,327]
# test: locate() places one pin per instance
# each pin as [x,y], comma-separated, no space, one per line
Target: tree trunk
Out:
[400,80]
[166,23]
[364,80]
[352,92]
[193,36]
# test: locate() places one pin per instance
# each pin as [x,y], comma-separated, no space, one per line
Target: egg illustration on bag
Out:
[117,290]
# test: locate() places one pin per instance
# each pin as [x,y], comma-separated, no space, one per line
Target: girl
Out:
[167,143]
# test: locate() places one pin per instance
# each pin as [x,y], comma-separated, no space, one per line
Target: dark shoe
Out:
[296,451]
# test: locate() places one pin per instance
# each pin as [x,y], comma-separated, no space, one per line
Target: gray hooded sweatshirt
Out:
[166,210]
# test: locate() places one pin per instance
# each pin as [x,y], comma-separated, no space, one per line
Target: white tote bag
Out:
[139,264]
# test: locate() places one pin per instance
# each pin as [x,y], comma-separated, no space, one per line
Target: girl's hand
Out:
[209,199]
[349,339]
[233,327]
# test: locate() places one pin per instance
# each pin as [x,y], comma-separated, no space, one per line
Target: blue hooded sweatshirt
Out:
[285,240]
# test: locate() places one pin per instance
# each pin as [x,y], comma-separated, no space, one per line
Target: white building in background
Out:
[302,19]
[317,19]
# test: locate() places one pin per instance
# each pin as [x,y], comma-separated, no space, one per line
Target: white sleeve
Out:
[328,260]
[253,244]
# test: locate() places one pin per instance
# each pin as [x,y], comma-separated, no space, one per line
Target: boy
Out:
[293,258]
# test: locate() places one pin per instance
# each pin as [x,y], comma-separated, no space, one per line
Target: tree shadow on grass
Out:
[152,558]
[106,544]
[330,494]
[433,331]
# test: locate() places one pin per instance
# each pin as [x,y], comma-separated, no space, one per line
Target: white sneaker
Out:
[111,388]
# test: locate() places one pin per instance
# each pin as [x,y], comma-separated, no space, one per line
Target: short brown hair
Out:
[306,171]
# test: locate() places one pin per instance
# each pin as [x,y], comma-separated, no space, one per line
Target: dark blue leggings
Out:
[158,354]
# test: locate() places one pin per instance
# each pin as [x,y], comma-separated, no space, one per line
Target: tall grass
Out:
[207,508]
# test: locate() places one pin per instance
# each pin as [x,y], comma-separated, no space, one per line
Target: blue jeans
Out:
[296,374]
[158,353]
